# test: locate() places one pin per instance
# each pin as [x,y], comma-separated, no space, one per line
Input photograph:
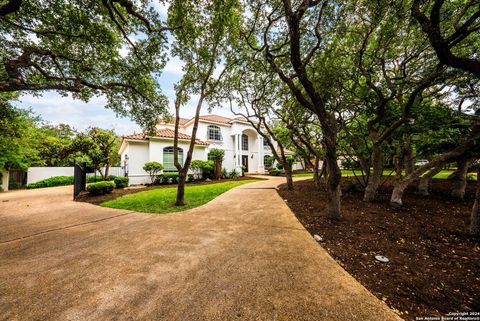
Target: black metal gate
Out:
[79,179]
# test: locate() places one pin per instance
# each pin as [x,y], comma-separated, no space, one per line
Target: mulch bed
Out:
[118,192]
[434,264]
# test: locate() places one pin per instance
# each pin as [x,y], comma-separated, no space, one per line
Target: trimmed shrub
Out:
[52,181]
[170,177]
[120,182]
[224,173]
[233,174]
[94,179]
[100,188]
[190,177]
[153,169]
[274,172]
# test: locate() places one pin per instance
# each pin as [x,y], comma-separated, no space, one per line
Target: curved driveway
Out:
[243,256]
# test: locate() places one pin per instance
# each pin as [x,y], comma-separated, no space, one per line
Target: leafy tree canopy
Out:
[87,48]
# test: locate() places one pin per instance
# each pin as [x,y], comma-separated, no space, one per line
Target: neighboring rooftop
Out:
[163,133]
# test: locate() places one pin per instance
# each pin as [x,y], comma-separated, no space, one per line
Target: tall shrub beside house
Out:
[153,169]
[217,155]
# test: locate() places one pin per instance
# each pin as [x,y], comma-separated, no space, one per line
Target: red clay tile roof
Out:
[163,133]
[217,119]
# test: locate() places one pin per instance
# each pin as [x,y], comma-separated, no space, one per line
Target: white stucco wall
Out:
[140,153]
[35,174]
[137,157]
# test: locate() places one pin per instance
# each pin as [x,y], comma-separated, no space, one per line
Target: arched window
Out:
[267,161]
[168,163]
[244,142]
[214,133]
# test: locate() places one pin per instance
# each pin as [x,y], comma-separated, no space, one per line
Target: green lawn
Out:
[162,200]
[347,172]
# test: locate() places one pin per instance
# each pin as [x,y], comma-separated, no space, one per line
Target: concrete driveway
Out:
[243,256]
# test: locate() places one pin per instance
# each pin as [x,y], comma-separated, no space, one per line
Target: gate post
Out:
[79,179]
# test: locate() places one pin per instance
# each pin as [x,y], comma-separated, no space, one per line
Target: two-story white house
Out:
[240,141]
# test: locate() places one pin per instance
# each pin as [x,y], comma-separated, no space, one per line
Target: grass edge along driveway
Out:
[162,200]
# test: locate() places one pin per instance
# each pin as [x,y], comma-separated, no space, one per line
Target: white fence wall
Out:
[36,174]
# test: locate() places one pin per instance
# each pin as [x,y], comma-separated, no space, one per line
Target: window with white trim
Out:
[244,142]
[214,133]
[168,160]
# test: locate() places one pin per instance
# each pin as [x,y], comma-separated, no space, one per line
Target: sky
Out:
[54,108]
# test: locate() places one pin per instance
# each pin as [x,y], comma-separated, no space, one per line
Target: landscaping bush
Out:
[94,179]
[224,173]
[190,178]
[120,182]
[171,177]
[217,155]
[203,169]
[100,188]
[233,174]
[153,169]
[52,181]
[196,166]
[274,172]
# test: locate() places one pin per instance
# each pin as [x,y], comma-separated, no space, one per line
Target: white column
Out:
[239,148]
[261,165]
[235,150]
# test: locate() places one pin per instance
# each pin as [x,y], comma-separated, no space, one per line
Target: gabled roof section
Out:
[216,119]
[163,133]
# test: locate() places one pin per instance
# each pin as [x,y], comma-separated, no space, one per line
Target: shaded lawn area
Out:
[162,200]
[348,172]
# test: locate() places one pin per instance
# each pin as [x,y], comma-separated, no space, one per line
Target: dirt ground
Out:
[434,264]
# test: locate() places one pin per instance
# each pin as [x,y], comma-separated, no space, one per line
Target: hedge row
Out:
[68,180]
[101,188]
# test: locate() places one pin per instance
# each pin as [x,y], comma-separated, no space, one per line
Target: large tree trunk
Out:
[423,184]
[182,177]
[374,180]
[460,179]
[397,193]
[316,173]
[475,216]
[334,175]
[288,174]
[218,169]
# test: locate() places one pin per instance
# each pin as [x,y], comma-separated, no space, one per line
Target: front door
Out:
[245,162]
